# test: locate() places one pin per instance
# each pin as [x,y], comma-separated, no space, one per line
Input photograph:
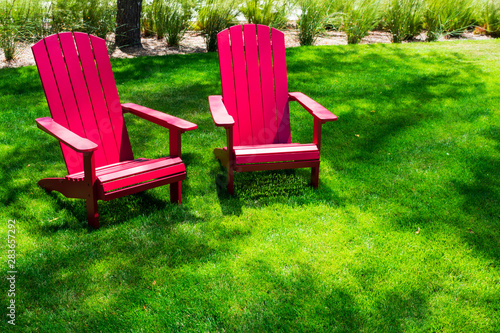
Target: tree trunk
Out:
[128,23]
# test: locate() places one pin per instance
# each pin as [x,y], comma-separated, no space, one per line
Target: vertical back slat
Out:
[254,86]
[64,85]
[241,85]
[267,80]
[74,161]
[281,84]
[227,80]
[112,99]
[96,95]
[81,94]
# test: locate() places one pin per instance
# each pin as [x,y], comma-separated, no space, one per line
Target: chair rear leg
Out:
[176,192]
[315,177]
[92,212]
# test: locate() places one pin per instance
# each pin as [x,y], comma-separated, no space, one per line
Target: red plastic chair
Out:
[253,107]
[87,119]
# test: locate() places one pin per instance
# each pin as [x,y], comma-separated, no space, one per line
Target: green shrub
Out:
[313,16]
[360,17]
[403,18]
[213,17]
[37,22]
[66,16]
[98,17]
[444,17]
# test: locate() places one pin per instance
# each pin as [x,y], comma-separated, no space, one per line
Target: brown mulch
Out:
[193,42]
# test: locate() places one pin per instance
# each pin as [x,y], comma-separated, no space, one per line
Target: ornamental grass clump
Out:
[10,21]
[171,19]
[8,41]
[360,17]
[444,17]
[490,17]
[403,18]
[147,19]
[268,12]
[313,16]
[213,17]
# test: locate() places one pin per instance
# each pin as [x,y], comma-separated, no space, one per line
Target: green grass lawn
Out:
[403,234]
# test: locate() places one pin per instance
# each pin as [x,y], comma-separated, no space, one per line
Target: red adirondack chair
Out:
[87,119]
[253,107]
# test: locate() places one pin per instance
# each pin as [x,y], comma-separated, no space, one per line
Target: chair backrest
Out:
[76,75]
[254,83]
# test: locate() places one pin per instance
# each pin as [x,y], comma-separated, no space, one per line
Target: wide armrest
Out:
[219,112]
[313,107]
[158,117]
[72,140]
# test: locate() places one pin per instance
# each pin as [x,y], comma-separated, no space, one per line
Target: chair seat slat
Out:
[128,168]
[144,176]
[276,153]
[277,149]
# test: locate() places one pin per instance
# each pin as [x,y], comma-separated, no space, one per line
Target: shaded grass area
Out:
[402,235]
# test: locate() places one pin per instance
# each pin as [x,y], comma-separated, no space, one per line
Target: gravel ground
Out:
[193,42]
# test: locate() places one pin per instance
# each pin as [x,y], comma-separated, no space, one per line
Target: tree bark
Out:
[128,23]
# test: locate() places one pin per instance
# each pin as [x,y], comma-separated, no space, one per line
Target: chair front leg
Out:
[231,160]
[175,151]
[317,142]
[317,133]
[92,212]
[230,177]
[91,180]
[176,192]
[315,176]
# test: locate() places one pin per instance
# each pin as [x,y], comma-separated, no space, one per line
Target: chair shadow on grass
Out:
[120,210]
[115,212]
[120,256]
[263,188]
